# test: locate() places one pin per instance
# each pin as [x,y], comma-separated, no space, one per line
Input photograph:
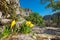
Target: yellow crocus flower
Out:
[28,23]
[13,23]
[31,25]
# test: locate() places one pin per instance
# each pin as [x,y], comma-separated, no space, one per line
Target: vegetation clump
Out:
[35,18]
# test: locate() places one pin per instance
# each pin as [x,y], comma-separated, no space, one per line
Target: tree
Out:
[55,5]
[35,18]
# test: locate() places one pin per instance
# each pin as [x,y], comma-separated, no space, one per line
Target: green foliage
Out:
[25,29]
[6,31]
[52,4]
[35,18]
[15,30]
[1,35]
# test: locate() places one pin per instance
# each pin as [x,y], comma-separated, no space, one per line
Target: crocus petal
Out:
[13,23]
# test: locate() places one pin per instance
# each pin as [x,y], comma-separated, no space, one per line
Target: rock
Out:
[20,21]
[23,37]
[0,14]
[8,1]
[0,29]
[5,20]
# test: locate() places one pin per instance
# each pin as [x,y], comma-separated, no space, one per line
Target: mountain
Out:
[47,17]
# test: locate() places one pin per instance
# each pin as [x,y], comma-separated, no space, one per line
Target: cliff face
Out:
[9,7]
[16,5]
[47,17]
[13,1]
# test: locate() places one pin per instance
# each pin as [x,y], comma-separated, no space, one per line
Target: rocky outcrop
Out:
[4,21]
[12,7]
[16,4]
[47,17]
[9,7]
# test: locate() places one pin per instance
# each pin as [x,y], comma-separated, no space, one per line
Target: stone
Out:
[0,14]
[5,20]
[23,37]
[8,1]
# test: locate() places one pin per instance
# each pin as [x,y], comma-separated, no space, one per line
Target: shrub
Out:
[35,18]
[25,29]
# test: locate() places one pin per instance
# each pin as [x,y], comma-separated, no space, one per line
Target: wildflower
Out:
[31,25]
[28,23]
[13,23]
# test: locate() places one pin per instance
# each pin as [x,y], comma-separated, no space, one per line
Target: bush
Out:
[25,29]
[35,18]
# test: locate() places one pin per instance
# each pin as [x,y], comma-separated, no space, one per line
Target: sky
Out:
[36,6]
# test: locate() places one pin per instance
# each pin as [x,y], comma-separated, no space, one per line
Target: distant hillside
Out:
[47,17]
[55,18]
